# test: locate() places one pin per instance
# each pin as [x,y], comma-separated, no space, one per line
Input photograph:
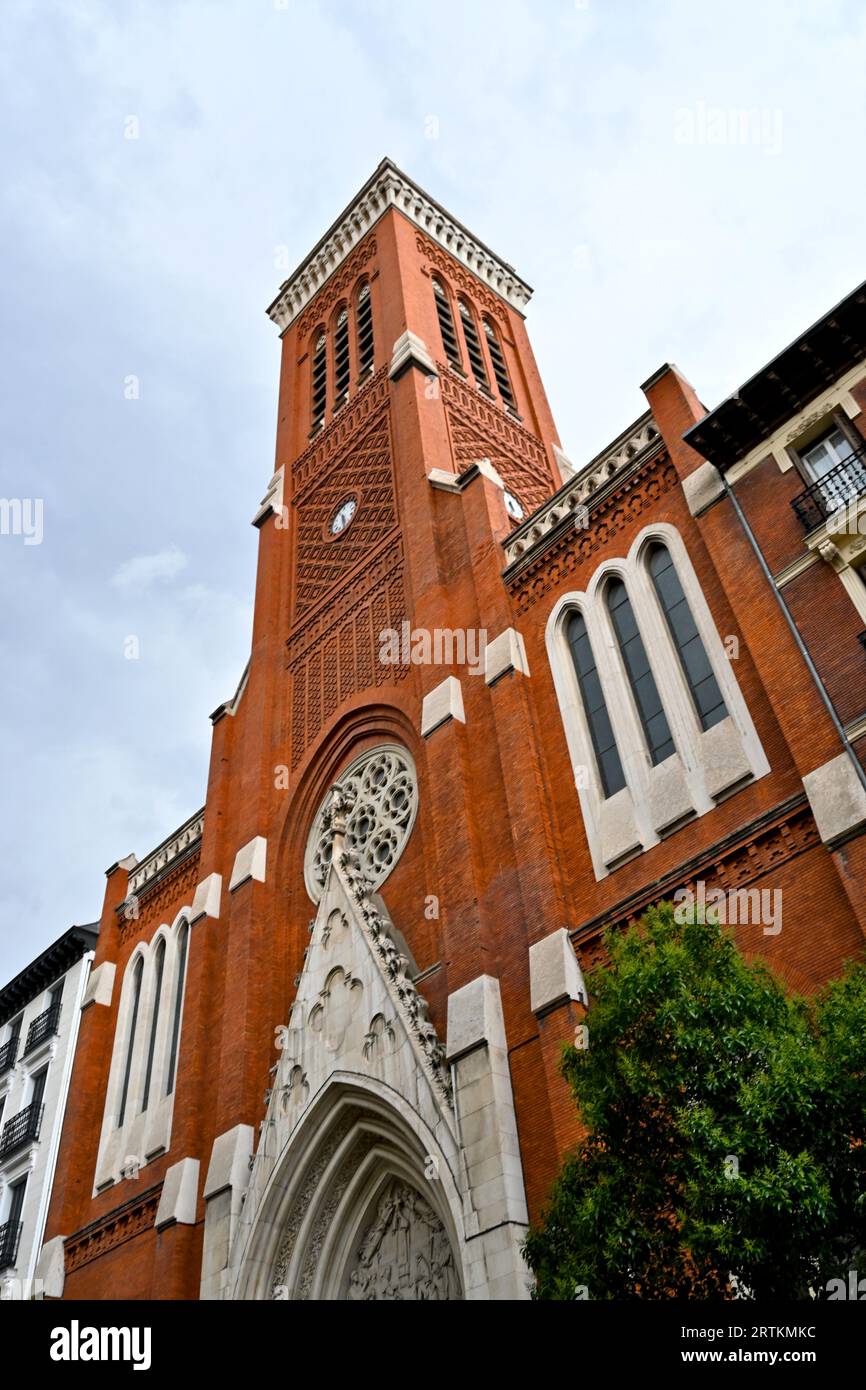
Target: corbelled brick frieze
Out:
[560,551]
[482,430]
[140,912]
[491,303]
[121,1225]
[751,854]
[337,286]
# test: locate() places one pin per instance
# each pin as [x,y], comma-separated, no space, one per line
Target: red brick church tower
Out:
[490,707]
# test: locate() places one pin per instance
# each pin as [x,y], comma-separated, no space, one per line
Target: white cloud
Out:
[555,143]
[144,570]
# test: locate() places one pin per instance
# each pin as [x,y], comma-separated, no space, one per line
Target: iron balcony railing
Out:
[844,483]
[10,1235]
[21,1129]
[8,1055]
[45,1026]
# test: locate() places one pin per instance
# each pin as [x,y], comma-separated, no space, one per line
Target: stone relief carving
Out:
[395,967]
[405,1255]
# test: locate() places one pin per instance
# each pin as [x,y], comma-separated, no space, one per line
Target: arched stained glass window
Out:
[702,683]
[138,971]
[642,681]
[600,728]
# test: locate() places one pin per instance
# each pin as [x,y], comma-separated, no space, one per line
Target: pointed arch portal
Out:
[387,1166]
[358,1208]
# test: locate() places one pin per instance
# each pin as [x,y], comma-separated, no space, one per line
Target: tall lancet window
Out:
[473,345]
[446,324]
[500,371]
[159,966]
[182,943]
[594,704]
[642,681]
[364,325]
[702,683]
[341,357]
[320,379]
[130,1044]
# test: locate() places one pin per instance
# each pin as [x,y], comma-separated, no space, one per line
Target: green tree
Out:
[725,1128]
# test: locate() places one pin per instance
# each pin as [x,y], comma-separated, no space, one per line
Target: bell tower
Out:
[357,898]
[405,363]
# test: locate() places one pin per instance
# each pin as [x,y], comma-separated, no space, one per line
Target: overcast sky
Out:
[596,146]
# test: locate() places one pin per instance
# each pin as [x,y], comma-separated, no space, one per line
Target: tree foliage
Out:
[725,1128]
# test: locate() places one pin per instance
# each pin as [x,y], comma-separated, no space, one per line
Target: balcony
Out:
[844,483]
[22,1129]
[8,1055]
[45,1026]
[10,1235]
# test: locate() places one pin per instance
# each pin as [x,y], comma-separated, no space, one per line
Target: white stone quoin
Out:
[228,1177]
[507,652]
[51,1268]
[702,488]
[837,798]
[100,985]
[442,703]
[177,1200]
[250,863]
[206,902]
[478,1051]
[554,973]
[411,351]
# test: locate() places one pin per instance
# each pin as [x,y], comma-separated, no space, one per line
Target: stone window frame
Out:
[833,418]
[144,1134]
[706,767]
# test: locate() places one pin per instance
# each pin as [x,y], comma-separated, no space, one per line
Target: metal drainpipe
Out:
[795,632]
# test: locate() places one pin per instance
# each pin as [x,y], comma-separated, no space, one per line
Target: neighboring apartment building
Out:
[789,444]
[39,1015]
[494,704]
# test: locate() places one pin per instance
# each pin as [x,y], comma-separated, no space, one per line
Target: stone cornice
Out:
[55,960]
[160,859]
[390,188]
[571,502]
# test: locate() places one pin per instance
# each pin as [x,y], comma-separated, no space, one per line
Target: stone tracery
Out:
[377,798]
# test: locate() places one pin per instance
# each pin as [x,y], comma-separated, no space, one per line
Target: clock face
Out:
[513,507]
[342,516]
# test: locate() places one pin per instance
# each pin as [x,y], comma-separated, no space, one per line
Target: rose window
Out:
[383,789]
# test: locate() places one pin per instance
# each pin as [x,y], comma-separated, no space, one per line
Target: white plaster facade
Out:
[49,1048]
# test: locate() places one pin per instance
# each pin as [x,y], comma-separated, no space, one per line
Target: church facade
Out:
[496,702]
